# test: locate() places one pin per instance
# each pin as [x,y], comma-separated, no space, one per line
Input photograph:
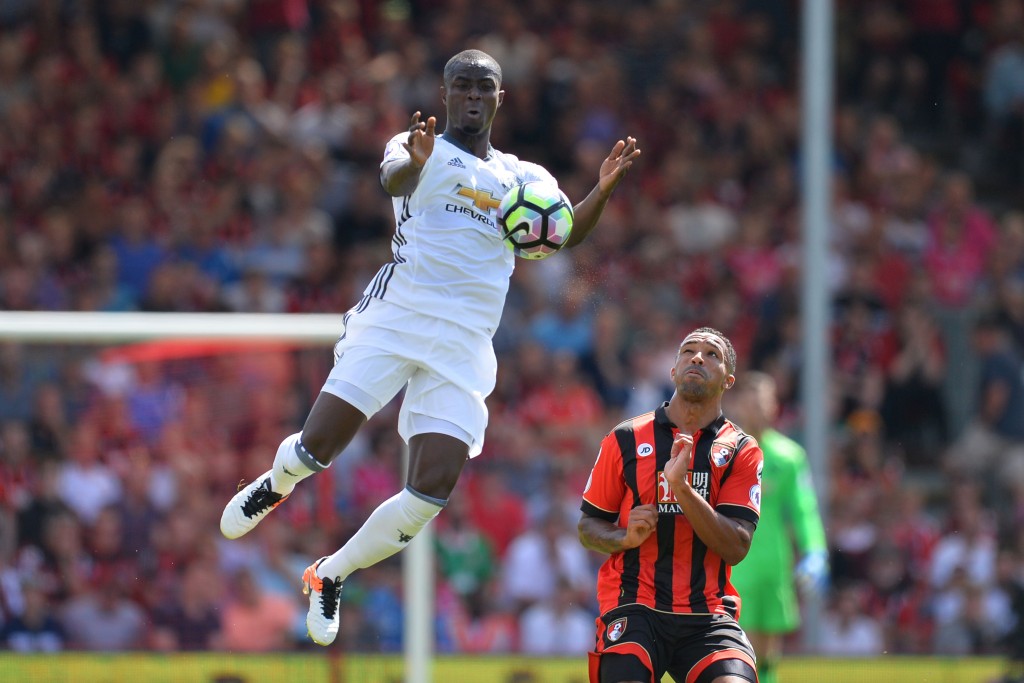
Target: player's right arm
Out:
[600,527]
[400,174]
[610,538]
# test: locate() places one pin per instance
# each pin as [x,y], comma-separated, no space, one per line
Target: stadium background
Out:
[221,155]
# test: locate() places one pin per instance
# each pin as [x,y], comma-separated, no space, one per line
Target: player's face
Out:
[755,409]
[767,404]
[472,97]
[700,371]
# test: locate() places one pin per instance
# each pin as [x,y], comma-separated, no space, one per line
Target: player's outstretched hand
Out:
[679,460]
[615,165]
[643,520]
[421,139]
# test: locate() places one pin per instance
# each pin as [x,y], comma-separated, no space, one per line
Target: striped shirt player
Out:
[424,325]
[672,583]
[673,571]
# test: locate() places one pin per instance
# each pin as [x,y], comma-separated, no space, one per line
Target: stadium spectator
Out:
[912,409]
[498,509]
[991,445]
[565,411]
[18,382]
[190,621]
[86,484]
[559,626]
[35,628]
[381,606]
[540,560]
[846,630]
[897,600]
[465,556]
[103,618]
[970,619]
[256,621]
[480,625]
[968,546]
[1011,581]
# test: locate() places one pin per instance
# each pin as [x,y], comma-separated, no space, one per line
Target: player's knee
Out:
[436,482]
[435,464]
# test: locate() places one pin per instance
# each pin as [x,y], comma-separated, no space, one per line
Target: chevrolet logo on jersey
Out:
[482,199]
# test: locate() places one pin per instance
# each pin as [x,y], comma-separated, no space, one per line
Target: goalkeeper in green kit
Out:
[788,552]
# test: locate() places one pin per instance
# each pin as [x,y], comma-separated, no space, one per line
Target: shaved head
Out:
[471,58]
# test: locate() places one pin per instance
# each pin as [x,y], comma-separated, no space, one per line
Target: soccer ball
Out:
[535,219]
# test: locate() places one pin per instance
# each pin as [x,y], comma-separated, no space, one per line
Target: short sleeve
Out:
[740,496]
[395,149]
[606,486]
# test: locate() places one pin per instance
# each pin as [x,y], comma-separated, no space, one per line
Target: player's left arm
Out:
[728,537]
[812,568]
[805,516]
[614,167]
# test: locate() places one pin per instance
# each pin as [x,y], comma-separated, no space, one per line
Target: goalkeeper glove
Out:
[811,573]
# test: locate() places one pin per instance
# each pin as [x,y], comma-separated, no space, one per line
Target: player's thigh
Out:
[368,376]
[630,646]
[720,649]
[380,349]
[434,405]
[616,668]
[447,395]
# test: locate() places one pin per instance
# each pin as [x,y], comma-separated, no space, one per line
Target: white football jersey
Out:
[449,260]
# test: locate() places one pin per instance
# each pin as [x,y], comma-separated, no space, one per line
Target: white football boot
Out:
[248,508]
[322,620]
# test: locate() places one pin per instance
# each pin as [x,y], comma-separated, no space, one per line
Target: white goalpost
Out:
[312,329]
[84,328]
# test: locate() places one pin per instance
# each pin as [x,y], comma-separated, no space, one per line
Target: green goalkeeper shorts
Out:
[768,606]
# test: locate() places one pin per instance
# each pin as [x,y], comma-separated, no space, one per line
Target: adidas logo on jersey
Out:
[457,163]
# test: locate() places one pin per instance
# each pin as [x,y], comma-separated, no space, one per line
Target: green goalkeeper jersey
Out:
[789,514]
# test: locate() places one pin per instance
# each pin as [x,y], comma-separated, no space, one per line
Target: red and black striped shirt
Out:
[673,570]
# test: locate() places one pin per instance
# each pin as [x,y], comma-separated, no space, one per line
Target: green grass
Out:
[332,667]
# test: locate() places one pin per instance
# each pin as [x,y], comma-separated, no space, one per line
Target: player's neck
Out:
[690,416]
[477,144]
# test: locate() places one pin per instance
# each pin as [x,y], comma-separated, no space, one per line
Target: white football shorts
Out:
[448,370]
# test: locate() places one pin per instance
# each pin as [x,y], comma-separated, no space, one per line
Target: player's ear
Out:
[501,97]
[444,95]
[729,381]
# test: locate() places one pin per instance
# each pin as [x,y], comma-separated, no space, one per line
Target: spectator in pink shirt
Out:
[962,236]
[256,621]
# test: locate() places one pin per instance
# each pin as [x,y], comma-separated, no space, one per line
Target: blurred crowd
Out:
[222,156]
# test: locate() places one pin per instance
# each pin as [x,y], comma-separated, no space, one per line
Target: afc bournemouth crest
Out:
[721,454]
[616,629]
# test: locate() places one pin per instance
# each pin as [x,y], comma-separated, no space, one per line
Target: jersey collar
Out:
[452,141]
[661,417]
